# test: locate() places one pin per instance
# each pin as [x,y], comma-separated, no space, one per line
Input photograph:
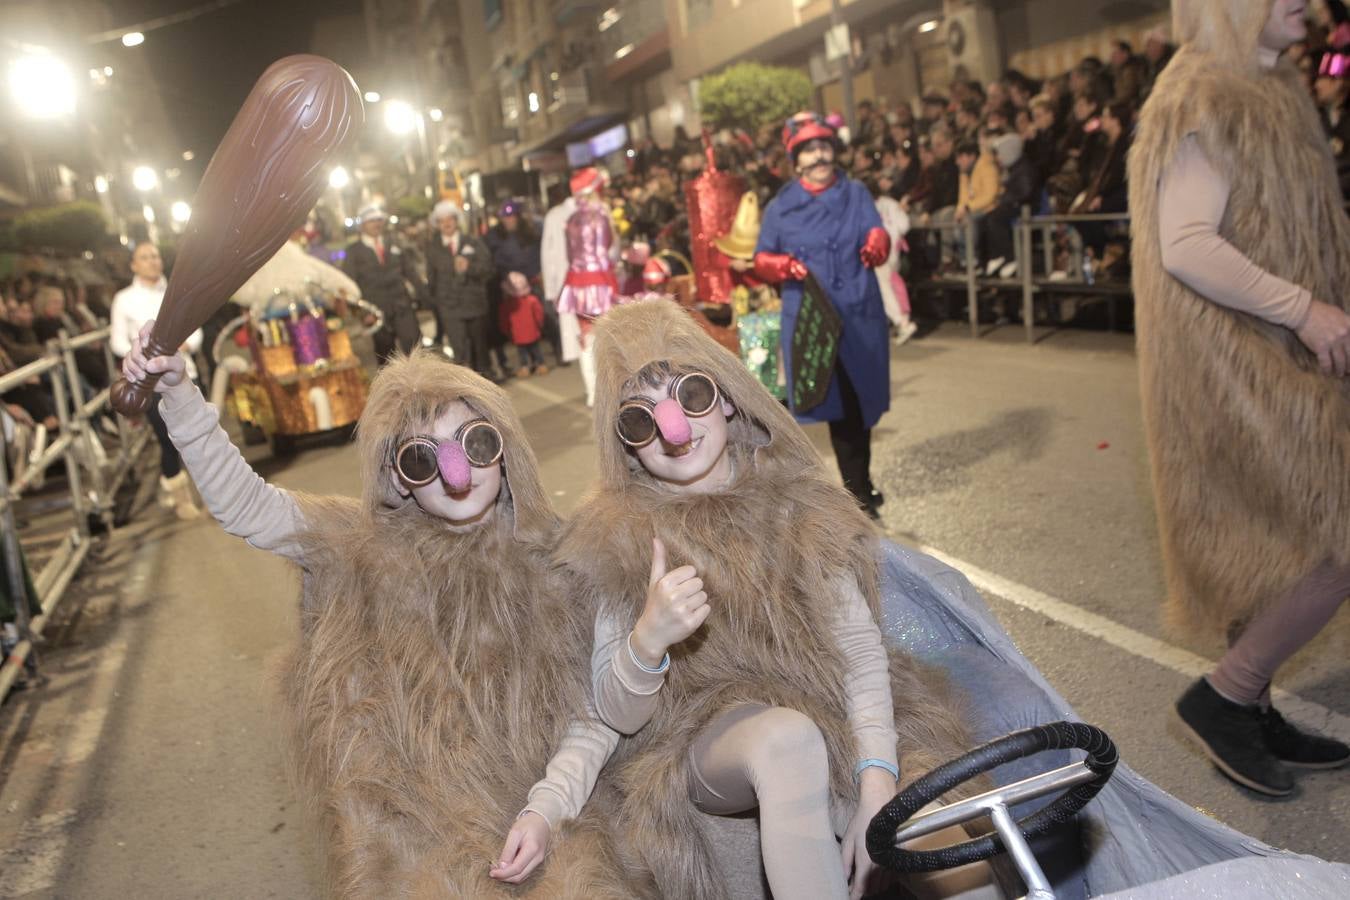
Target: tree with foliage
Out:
[412,207]
[70,227]
[749,95]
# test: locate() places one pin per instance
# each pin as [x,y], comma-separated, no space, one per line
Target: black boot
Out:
[1231,736]
[1295,747]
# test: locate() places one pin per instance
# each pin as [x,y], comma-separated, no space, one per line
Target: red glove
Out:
[876,249]
[776,267]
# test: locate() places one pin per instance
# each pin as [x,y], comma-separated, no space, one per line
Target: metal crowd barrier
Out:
[93,476]
[1026,281]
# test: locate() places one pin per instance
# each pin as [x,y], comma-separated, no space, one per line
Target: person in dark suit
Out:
[459,267]
[387,278]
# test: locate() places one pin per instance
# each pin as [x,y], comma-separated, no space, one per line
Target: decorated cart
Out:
[286,366]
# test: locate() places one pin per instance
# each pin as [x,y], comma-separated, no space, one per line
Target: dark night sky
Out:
[204,68]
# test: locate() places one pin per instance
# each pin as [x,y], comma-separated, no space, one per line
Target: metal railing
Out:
[93,476]
[1026,280]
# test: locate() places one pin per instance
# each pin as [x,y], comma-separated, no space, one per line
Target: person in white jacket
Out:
[132,307]
[553,269]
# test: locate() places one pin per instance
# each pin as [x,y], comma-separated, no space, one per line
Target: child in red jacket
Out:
[522,322]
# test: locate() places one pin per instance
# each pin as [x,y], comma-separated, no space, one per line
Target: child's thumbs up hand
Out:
[676,606]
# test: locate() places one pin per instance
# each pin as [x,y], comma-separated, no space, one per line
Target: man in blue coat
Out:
[825,223]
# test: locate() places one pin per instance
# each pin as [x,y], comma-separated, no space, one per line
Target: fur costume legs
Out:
[774,758]
[1245,672]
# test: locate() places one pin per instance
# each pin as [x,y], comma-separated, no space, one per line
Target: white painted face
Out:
[466,509]
[1285,26]
[700,465]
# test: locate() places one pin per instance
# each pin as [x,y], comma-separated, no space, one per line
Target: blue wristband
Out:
[659,670]
[878,763]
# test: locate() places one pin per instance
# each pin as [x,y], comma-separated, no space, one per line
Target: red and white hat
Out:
[656,272]
[587,181]
[803,127]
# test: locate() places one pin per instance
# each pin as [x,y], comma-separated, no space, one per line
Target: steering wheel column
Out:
[897,823]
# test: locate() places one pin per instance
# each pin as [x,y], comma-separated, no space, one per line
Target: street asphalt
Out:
[148,764]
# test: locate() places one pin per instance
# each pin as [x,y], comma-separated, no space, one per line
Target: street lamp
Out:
[133,39]
[144,179]
[399,117]
[338,178]
[42,86]
[180,211]
[372,96]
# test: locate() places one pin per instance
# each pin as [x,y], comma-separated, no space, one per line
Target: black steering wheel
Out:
[1085,779]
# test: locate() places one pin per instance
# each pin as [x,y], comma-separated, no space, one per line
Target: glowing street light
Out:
[180,211]
[100,184]
[42,86]
[434,114]
[149,213]
[372,96]
[399,117]
[930,25]
[338,178]
[133,39]
[144,179]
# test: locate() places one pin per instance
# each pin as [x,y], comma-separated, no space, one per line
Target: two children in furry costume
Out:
[435,675]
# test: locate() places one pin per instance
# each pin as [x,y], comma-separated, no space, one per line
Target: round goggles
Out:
[417,461]
[696,393]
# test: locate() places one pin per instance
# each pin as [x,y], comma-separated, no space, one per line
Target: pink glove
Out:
[776,267]
[876,249]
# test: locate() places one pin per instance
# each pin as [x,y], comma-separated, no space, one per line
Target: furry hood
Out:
[632,336]
[1227,30]
[406,396]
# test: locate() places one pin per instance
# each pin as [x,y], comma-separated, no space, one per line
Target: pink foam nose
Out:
[454,466]
[674,425]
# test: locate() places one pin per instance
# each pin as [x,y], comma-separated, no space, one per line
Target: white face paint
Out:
[1285,26]
[702,464]
[467,509]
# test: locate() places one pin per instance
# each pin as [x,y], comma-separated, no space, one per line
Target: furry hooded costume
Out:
[771,550]
[433,681]
[1249,441]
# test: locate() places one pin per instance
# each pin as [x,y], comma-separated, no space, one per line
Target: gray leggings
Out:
[1245,672]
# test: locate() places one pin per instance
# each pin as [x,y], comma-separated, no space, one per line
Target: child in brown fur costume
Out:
[432,683]
[735,593]
[1241,261]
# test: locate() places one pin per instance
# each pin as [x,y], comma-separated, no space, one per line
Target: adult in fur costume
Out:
[432,682]
[1242,258]
[762,592]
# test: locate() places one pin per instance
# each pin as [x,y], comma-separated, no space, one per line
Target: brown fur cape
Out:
[434,676]
[1249,442]
[771,550]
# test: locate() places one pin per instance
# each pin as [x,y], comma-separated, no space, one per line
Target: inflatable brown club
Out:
[262,181]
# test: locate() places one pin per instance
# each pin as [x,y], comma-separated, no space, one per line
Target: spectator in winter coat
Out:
[521,319]
[1018,183]
[514,245]
[458,269]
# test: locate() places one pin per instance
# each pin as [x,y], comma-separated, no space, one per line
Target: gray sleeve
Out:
[240,500]
[626,695]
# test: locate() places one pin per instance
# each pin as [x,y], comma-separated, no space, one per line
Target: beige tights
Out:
[774,758]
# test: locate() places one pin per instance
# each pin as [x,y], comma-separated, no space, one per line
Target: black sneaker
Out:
[1295,747]
[1231,736]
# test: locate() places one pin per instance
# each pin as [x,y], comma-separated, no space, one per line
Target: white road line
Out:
[1192,665]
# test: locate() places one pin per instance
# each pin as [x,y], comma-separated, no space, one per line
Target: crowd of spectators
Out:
[979,152]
